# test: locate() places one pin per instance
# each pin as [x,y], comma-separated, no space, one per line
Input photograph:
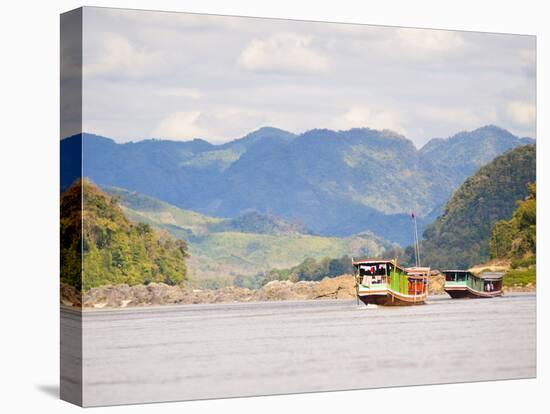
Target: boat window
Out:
[450,276]
[373,270]
[456,276]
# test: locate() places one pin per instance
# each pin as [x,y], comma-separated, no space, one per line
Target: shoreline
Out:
[283,303]
[159,295]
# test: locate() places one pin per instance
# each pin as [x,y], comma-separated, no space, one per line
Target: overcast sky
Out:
[183,76]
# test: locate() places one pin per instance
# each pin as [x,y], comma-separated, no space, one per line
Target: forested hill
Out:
[100,246]
[337,183]
[516,238]
[460,237]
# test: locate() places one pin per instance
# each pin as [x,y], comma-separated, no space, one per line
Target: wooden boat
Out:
[465,284]
[384,282]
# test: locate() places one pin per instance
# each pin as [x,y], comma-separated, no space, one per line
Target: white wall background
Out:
[29,136]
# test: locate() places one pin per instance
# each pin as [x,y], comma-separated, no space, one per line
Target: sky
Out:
[183,76]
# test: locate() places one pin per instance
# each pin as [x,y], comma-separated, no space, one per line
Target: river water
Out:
[242,349]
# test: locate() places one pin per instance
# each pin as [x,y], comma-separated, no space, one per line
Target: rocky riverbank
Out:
[122,296]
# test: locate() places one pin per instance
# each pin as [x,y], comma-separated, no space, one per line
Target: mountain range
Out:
[334,183]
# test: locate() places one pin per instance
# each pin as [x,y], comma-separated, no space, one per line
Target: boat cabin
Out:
[374,272]
[491,281]
[418,279]
[462,283]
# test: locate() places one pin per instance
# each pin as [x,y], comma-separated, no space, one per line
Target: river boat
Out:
[465,284]
[384,282]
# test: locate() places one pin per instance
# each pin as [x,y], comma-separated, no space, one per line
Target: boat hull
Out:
[465,292]
[391,298]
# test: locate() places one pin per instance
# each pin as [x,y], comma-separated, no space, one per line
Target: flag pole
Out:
[417,242]
[416,246]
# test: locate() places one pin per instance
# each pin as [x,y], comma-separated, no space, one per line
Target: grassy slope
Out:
[520,277]
[231,253]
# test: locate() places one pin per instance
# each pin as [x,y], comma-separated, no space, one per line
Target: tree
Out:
[516,238]
[100,246]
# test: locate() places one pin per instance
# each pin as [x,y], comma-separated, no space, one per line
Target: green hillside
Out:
[460,237]
[183,223]
[516,238]
[225,248]
[100,246]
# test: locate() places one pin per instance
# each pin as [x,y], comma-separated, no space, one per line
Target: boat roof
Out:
[375,261]
[417,269]
[492,275]
[484,275]
[372,261]
[455,271]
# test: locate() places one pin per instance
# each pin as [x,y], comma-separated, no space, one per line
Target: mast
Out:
[356,277]
[416,243]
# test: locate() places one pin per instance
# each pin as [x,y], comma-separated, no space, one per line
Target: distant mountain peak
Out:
[363,132]
[464,153]
[269,130]
[492,127]
[266,132]
[86,136]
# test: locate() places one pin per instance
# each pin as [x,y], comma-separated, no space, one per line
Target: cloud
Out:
[422,43]
[389,45]
[181,126]
[283,52]
[465,118]
[218,78]
[117,56]
[363,116]
[181,93]
[522,113]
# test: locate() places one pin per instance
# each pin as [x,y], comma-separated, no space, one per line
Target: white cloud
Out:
[363,116]
[283,52]
[150,66]
[181,126]
[116,56]
[465,117]
[422,43]
[181,93]
[522,113]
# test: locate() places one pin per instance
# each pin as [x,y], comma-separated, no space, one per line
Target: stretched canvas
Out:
[256,206]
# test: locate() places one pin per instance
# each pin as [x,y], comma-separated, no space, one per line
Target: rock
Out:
[121,296]
[341,287]
[233,294]
[69,296]
[305,289]
[436,284]
[277,290]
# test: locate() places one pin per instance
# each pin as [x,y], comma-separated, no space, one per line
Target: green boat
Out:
[464,284]
[384,282]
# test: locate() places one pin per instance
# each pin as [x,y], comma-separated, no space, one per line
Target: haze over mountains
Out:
[335,183]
